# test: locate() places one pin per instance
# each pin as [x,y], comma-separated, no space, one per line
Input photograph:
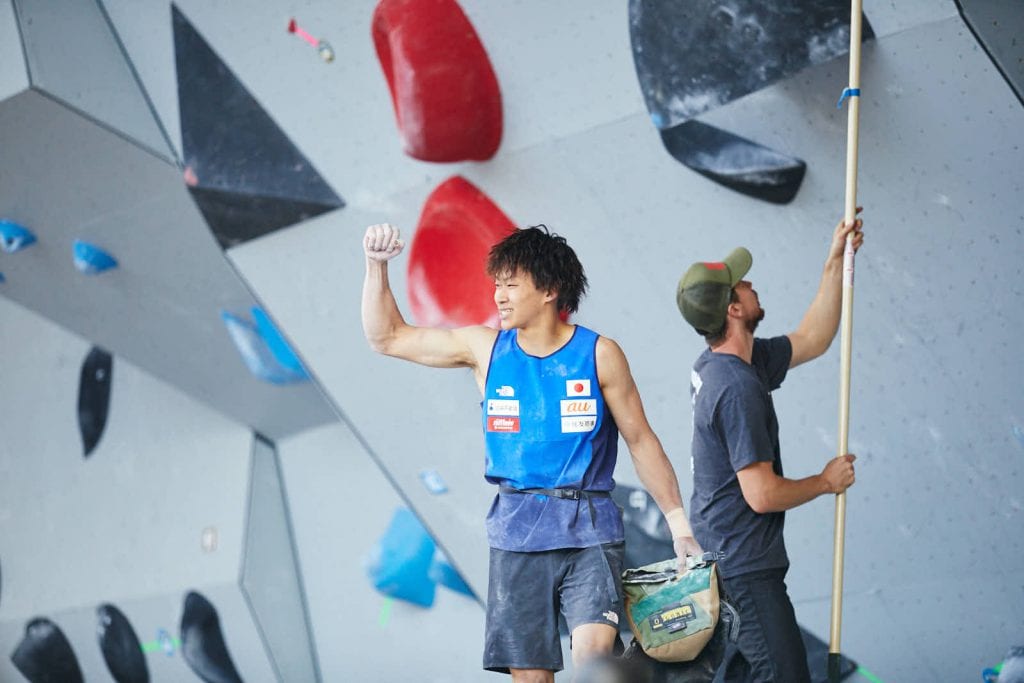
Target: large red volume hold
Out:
[447,281]
[444,90]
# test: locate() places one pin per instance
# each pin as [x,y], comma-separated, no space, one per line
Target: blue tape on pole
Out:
[847,92]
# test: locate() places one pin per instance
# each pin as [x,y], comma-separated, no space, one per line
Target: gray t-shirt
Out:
[734,425]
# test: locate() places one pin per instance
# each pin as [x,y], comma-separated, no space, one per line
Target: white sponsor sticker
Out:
[502,407]
[506,391]
[585,423]
[586,406]
[577,387]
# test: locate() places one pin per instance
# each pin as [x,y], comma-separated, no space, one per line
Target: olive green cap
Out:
[704,290]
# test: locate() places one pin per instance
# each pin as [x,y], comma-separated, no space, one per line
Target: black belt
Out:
[567,494]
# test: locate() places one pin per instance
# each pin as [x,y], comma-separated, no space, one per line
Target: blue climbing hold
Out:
[442,572]
[14,237]
[400,563]
[90,259]
[278,345]
[259,354]
[433,481]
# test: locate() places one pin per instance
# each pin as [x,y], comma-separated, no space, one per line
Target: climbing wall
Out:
[578,115]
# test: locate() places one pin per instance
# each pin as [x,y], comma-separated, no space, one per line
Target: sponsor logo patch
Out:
[577,387]
[584,423]
[674,618]
[502,407]
[506,391]
[502,424]
[611,616]
[587,406]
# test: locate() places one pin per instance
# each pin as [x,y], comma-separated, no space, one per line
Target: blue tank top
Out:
[546,425]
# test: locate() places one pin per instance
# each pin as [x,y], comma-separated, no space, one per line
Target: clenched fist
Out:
[382,242]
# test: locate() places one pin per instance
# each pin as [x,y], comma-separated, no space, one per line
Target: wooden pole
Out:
[846,338]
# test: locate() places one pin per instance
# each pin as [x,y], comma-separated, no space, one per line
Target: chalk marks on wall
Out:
[692,57]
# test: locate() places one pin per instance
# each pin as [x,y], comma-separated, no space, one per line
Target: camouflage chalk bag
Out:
[672,614]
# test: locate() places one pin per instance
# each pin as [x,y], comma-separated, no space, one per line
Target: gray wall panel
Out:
[13,74]
[128,521]
[162,306]
[146,32]
[341,505]
[74,55]
[270,574]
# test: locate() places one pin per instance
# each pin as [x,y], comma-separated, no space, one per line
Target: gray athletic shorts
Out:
[527,591]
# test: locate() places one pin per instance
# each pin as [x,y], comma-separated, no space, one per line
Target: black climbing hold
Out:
[692,56]
[202,643]
[45,655]
[121,648]
[735,162]
[94,397]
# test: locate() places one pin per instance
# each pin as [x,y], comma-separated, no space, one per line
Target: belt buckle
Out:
[575,494]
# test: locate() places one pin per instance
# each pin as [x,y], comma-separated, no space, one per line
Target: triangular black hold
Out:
[235,218]
[94,397]
[735,162]
[45,655]
[121,648]
[232,147]
[202,643]
[694,55]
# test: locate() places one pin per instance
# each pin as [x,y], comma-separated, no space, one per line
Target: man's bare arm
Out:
[818,327]
[386,329]
[652,464]
[766,491]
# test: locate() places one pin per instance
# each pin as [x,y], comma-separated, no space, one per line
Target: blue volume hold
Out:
[278,345]
[399,565]
[14,237]
[90,259]
[257,354]
[442,572]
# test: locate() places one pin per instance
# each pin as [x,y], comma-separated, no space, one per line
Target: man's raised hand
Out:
[382,242]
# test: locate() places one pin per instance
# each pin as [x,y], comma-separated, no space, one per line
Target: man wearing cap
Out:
[740,494]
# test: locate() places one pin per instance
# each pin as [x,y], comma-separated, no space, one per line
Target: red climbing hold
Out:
[444,91]
[447,282]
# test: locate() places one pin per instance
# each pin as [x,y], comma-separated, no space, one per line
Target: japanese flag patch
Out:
[577,387]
